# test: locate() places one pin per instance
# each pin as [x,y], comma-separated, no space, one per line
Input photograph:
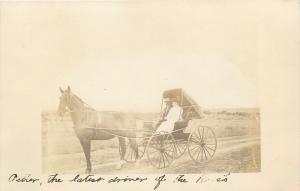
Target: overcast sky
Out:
[127,55]
[137,84]
[121,56]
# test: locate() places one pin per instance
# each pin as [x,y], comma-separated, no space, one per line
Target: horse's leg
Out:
[86,145]
[122,144]
[134,146]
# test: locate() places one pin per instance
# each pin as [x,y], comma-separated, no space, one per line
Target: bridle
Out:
[70,98]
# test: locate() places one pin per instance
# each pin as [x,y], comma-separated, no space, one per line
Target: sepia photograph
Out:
[150,123]
[182,137]
[159,95]
[183,98]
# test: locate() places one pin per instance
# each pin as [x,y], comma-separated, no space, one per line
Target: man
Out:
[171,114]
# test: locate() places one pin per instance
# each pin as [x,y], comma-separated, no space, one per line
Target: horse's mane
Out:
[110,120]
[86,106]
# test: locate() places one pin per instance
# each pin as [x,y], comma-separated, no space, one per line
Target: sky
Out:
[128,55]
[137,84]
[122,56]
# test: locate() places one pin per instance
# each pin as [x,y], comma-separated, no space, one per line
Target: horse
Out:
[87,126]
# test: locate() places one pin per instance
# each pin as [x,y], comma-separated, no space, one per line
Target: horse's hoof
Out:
[120,165]
[88,171]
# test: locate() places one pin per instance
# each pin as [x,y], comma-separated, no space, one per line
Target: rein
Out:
[69,102]
[73,98]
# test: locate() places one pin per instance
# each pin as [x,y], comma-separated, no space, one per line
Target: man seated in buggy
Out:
[170,115]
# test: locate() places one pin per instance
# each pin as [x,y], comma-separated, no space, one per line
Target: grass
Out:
[59,141]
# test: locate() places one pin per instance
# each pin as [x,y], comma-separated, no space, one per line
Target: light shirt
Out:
[173,116]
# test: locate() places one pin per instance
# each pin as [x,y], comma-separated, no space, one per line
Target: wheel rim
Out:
[202,144]
[161,150]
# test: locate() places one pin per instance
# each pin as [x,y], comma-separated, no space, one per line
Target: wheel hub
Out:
[202,144]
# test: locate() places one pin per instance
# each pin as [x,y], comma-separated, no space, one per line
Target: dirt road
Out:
[237,154]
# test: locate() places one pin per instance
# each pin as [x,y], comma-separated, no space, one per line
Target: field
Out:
[237,130]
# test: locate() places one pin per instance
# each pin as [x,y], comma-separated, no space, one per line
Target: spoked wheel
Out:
[202,144]
[180,147]
[161,150]
[130,154]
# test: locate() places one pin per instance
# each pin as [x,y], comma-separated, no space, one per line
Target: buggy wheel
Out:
[130,154]
[202,144]
[161,150]
[180,147]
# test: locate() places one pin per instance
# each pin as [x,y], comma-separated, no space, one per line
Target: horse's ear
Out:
[69,89]
[61,90]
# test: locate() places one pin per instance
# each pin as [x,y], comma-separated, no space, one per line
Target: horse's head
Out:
[65,101]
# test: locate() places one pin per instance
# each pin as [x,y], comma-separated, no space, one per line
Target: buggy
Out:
[162,148]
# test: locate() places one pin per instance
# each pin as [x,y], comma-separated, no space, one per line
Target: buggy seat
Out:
[180,126]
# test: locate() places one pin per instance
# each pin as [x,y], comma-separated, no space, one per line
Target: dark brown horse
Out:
[87,126]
